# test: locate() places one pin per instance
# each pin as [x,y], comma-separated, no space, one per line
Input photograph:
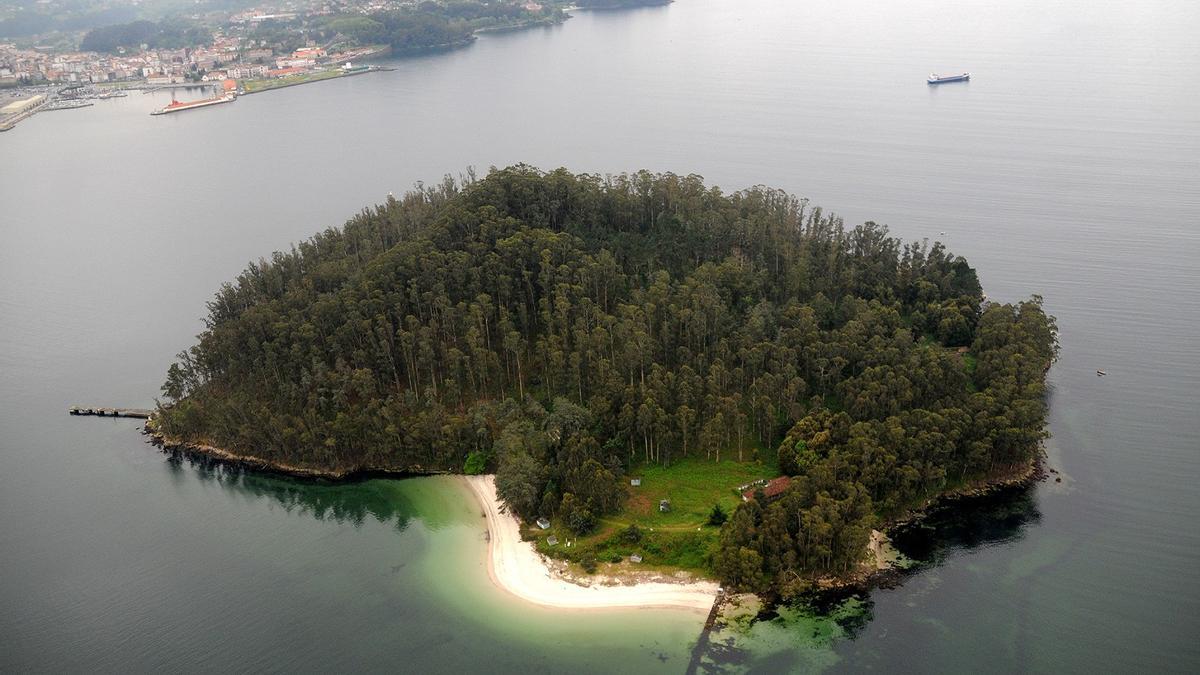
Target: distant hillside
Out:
[619,4]
[129,37]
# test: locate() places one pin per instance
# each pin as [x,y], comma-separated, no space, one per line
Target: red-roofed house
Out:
[771,490]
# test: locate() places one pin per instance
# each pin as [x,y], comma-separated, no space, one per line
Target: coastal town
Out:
[76,80]
[242,52]
[226,57]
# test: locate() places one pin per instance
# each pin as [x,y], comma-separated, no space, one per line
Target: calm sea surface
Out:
[1069,167]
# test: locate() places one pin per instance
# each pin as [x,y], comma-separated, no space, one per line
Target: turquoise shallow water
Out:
[181,567]
[1066,167]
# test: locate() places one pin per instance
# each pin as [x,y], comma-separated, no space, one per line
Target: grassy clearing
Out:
[252,86]
[678,539]
[693,486]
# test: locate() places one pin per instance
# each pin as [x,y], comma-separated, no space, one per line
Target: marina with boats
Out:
[45,98]
[67,105]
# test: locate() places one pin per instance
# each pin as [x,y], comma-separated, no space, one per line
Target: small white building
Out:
[244,72]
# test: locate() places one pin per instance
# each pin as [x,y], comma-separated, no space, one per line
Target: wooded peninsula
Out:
[634,357]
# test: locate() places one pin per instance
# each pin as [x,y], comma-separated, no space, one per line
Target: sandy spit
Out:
[516,567]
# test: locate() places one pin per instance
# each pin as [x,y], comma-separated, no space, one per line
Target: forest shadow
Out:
[816,621]
[346,502]
[966,525]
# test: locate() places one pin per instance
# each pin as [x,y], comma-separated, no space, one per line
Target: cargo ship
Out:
[177,106]
[941,79]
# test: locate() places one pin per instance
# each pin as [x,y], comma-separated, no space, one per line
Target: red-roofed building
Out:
[773,489]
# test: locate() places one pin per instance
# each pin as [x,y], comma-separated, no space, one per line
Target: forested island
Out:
[571,333]
[431,25]
[407,30]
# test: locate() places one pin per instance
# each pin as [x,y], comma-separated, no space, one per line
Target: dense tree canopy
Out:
[431,25]
[171,34]
[559,328]
[910,426]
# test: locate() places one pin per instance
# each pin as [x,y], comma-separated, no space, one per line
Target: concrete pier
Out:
[111,412]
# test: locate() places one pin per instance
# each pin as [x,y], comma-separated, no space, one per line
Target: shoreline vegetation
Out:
[401,33]
[732,385]
[431,29]
[247,462]
[516,566]
[258,86]
[403,42]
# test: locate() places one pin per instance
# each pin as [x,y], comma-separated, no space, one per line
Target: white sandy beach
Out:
[516,567]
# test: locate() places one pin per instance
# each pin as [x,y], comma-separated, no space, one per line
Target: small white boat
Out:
[1100,373]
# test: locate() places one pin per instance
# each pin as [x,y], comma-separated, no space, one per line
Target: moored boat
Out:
[942,79]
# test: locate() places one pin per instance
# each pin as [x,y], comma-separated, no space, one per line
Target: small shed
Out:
[635,482]
[552,540]
[664,506]
[543,523]
[635,558]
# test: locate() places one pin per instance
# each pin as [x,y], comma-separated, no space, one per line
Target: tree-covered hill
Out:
[433,25]
[168,34]
[559,328]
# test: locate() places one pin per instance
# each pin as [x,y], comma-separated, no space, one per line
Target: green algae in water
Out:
[789,638]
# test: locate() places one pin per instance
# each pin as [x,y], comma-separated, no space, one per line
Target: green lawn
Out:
[693,486]
[970,361]
[678,539]
[252,86]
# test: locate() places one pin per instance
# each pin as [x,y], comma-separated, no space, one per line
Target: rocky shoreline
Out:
[875,574]
[213,454]
[883,568]
[1031,472]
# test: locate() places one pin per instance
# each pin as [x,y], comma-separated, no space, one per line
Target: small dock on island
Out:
[705,634]
[141,413]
